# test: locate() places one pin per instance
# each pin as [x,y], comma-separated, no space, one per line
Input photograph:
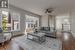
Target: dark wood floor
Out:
[68,43]
[10,46]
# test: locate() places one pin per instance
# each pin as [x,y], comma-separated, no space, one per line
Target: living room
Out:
[37,25]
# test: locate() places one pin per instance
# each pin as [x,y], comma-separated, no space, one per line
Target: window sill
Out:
[15,31]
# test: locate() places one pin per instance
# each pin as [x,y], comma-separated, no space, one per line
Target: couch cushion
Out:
[46,28]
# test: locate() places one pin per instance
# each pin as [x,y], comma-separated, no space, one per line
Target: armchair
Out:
[4,36]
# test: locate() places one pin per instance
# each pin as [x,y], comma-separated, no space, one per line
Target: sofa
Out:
[49,31]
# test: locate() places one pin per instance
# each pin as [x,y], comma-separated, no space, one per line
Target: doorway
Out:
[62,23]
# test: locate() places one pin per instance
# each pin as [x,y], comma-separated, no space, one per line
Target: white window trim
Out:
[19,22]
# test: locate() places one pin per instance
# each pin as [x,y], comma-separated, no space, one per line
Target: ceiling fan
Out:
[49,10]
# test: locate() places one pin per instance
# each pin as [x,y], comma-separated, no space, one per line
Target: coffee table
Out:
[38,37]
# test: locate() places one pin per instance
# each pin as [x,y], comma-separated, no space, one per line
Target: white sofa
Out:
[5,36]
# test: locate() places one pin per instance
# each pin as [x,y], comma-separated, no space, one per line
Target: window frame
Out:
[19,21]
[11,18]
[6,10]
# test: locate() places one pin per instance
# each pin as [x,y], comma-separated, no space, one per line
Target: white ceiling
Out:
[39,6]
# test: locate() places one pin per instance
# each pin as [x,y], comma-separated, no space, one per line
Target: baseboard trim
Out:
[18,35]
[50,36]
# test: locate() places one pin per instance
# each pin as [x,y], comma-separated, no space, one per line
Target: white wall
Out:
[48,21]
[72,21]
[44,21]
[52,21]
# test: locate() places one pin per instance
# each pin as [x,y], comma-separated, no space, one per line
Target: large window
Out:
[6,26]
[9,21]
[15,19]
[31,23]
[4,20]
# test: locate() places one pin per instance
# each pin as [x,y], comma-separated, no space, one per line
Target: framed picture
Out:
[4,4]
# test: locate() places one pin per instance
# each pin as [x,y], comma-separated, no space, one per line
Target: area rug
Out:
[49,44]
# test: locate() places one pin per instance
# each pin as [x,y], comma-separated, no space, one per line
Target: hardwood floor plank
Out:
[68,41]
[10,46]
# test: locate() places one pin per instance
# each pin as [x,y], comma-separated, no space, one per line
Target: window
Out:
[15,20]
[32,21]
[6,26]
[9,21]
